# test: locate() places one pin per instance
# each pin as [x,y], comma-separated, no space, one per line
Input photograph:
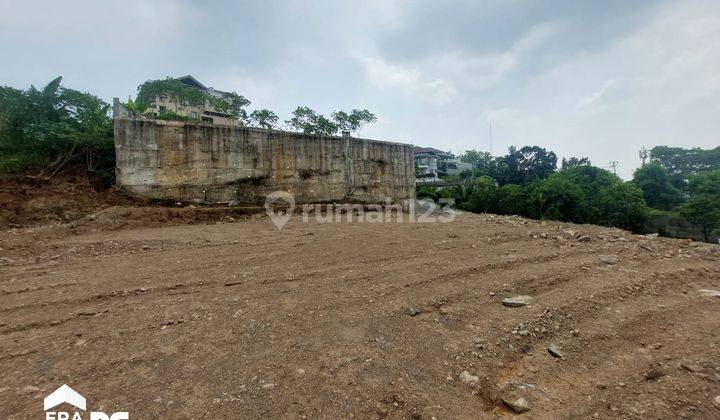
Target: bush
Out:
[53,128]
[622,205]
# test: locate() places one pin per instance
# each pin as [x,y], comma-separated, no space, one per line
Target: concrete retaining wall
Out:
[217,164]
[674,227]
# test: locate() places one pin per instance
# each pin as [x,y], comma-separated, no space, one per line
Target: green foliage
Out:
[557,198]
[169,115]
[682,163]
[526,164]
[483,163]
[703,207]
[173,89]
[580,194]
[135,107]
[426,191]
[308,121]
[176,91]
[264,118]
[511,199]
[230,103]
[658,190]
[574,161]
[482,198]
[47,130]
[622,205]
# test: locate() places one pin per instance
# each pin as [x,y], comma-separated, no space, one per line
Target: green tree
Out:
[622,205]
[557,198]
[264,118]
[174,90]
[511,199]
[703,207]
[354,120]
[681,163]
[482,198]
[483,163]
[526,164]
[308,121]
[47,130]
[658,190]
[574,161]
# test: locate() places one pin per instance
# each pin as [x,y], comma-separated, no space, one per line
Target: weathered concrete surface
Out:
[215,164]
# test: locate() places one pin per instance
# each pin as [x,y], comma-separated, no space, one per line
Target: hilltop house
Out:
[205,112]
[427,163]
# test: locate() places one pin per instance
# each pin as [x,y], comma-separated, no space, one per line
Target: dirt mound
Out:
[33,201]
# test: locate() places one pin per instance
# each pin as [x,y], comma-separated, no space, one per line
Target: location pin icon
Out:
[279,218]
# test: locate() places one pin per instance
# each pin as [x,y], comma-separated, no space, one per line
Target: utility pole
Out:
[491,139]
[614,166]
[643,155]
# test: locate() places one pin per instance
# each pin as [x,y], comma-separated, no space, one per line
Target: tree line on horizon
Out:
[528,182]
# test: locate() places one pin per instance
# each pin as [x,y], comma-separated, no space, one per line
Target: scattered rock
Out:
[609,259]
[652,235]
[717,401]
[584,238]
[710,292]
[228,219]
[517,301]
[519,405]
[654,374]
[268,386]
[29,389]
[146,247]
[520,329]
[555,351]
[3,389]
[414,311]
[467,378]
[691,367]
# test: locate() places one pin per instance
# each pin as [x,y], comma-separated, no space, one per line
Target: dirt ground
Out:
[239,320]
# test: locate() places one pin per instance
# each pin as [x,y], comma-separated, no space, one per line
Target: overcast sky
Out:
[583,78]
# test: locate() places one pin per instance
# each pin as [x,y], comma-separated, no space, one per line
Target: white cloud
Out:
[407,79]
[596,96]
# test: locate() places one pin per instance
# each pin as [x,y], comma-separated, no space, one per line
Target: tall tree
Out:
[526,164]
[264,118]
[703,207]
[658,191]
[574,161]
[50,128]
[682,163]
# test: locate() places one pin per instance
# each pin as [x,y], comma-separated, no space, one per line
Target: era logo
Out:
[65,394]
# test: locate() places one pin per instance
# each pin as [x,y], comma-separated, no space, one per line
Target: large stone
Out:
[555,351]
[609,259]
[467,378]
[517,301]
[518,405]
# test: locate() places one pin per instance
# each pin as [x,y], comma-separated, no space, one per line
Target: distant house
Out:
[427,163]
[455,166]
[204,112]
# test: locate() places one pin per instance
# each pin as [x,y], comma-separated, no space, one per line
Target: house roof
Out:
[191,81]
[428,150]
